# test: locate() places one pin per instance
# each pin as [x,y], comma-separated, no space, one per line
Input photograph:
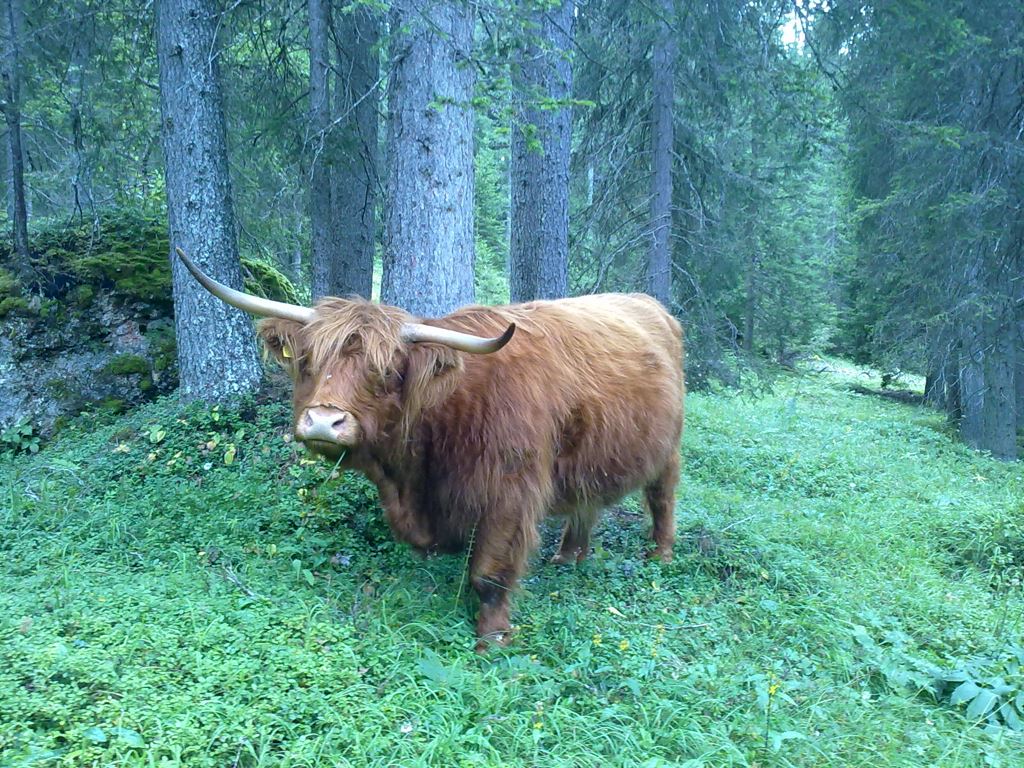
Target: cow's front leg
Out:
[404,519]
[493,624]
[502,544]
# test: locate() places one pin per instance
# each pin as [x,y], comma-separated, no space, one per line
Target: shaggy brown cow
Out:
[470,440]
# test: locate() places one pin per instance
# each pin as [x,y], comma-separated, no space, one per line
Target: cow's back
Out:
[590,392]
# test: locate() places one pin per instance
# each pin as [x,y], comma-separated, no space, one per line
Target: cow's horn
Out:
[255,305]
[465,342]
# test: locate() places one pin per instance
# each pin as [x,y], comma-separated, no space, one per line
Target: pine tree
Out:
[217,356]
[429,247]
[541,146]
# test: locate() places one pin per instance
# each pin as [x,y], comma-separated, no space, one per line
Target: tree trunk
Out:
[11,74]
[999,422]
[1018,375]
[937,378]
[751,306]
[951,378]
[429,250]
[663,63]
[355,180]
[83,35]
[217,355]
[972,387]
[320,145]
[539,167]
[933,386]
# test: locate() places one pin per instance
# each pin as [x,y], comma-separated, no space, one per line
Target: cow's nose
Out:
[322,423]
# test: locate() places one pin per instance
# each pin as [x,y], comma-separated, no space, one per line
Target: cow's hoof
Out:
[498,639]
[664,554]
[574,557]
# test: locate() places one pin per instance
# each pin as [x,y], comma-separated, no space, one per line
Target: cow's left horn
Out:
[255,305]
[465,342]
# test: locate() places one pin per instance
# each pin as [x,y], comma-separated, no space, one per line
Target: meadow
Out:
[181,587]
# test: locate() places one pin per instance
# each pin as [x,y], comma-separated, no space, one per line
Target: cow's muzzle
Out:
[324,426]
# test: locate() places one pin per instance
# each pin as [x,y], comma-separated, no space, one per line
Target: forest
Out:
[826,194]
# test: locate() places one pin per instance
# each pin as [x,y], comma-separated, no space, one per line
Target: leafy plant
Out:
[990,689]
[21,437]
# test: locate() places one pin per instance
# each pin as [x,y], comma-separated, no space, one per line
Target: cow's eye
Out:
[378,384]
[385,383]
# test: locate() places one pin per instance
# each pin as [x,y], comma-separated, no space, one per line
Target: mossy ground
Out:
[183,588]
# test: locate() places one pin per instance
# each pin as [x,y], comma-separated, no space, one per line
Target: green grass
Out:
[181,588]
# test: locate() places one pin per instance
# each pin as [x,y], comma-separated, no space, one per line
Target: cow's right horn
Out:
[465,342]
[255,305]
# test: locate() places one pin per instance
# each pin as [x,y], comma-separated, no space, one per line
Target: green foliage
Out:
[989,688]
[20,437]
[935,180]
[759,185]
[184,587]
[84,295]
[491,212]
[992,540]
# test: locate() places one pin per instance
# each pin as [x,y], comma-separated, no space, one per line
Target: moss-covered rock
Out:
[264,279]
[125,365]
[95,330]
[11,300]
[121,252]
[13,304]
[84,294]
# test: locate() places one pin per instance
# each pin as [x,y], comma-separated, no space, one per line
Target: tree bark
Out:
[320,145]
[429,250]
[939,376]
[217,355]
[663,62]
[972,387]
[999,422]
[1018,375]
[11,73]
[750,309]
[355,181]
[82,36]
[539,167]
[951,377]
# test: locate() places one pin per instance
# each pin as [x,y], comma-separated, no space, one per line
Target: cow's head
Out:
[361,371]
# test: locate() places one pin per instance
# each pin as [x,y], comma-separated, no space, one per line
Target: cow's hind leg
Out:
[575,544]
[660,494]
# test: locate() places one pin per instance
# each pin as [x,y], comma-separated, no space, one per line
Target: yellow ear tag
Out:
[286,351]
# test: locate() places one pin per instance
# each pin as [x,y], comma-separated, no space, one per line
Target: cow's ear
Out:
[279,340]
[432,370]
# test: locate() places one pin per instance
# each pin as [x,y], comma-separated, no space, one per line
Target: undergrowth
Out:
[182,587]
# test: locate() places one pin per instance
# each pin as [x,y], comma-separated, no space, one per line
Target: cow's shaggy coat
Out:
[584,405]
